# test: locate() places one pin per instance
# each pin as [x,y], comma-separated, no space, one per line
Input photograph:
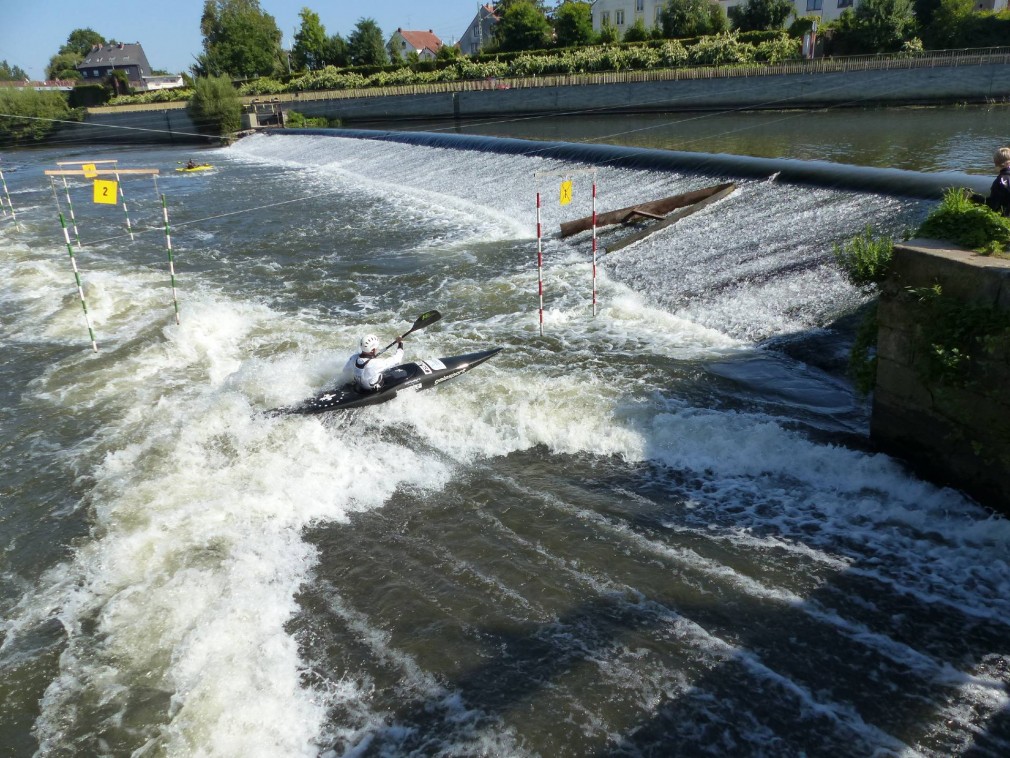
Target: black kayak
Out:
[402,378]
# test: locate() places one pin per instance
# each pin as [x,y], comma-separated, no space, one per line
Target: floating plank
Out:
[671,218]
[653,209]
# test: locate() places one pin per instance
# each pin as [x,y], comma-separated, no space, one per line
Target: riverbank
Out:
[930,81]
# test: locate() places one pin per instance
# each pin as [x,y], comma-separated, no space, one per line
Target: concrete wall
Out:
[889,86]
[950,84]
[170,125]
[954,433]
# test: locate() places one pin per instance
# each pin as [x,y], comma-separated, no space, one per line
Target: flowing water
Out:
[658,530]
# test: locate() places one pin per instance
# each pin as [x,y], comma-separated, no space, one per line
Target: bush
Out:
[215,107]
[968,223]
[720,50]
[40,112]
[865,260]
[297,120]
[782,48]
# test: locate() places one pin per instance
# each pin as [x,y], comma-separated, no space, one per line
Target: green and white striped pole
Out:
[70,206]
[122,197]
[77,278]
[10,205]
[171,260]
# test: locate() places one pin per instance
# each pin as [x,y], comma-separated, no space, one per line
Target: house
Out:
[102,60]
[623,13]
[480,32]
[173,81]
[404,42]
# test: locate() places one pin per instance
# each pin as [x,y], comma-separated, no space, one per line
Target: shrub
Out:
[721,50]
[864,259]
[297,120]
[967,222]
[40,112]
[782,48]
[215,107]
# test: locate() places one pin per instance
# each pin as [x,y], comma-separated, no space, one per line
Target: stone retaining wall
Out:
[953,433]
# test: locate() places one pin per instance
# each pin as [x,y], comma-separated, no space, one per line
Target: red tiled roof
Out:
[421,40]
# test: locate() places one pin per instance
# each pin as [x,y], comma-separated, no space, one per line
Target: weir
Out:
[897,182]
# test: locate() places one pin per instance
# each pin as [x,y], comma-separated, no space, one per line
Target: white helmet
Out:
[369,343]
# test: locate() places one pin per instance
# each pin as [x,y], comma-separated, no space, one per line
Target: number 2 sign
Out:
[105,191]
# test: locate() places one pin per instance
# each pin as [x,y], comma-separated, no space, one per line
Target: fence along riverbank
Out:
[942,77]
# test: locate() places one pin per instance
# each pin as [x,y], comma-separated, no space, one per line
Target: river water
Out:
[656,530]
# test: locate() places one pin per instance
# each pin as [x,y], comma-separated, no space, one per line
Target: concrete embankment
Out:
[797,85]
[947,413]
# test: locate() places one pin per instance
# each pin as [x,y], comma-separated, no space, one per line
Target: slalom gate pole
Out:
[70,206]
[122,197]
[10,205]
[171,260]
[540,266]
[77,278]
[594,246]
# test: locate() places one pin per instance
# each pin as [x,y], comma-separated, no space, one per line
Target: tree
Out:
[573,24]
[522,26]
[336,52]
[78,45]
[309,50]
[608,34]
[239,40]
[637,31]
[365,46]
[31,116]
[215,107]
[884,24]
[62,66]
[81,41]
[692,18]
[10,73]
[761,15]
[946,22]
[449,53]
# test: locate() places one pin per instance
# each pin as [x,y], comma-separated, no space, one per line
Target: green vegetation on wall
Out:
[955,335]
[962,219]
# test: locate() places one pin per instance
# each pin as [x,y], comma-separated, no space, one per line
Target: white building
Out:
[404,42]
[623,13]
[173,81]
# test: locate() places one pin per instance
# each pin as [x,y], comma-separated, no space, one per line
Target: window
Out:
[659,15]
[619,17]
[844,3]
[605,18]
[639,5]
[813,5]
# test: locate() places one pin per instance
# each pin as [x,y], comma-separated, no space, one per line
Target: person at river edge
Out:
[999,193]
[366,367]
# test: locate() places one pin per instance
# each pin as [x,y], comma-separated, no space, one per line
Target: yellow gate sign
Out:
[90,170]
[566,192]
[105,191]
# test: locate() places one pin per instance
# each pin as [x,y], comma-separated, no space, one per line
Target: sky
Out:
[32,31]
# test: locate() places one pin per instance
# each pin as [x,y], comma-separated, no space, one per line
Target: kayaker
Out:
[366,366]
[191,164]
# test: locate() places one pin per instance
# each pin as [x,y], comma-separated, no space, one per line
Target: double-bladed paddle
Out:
[425,319]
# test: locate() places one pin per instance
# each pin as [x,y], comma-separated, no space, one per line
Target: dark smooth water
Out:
[656,531]
[951,138]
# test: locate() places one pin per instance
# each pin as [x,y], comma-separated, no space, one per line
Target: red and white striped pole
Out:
[594,246]
[540,265]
